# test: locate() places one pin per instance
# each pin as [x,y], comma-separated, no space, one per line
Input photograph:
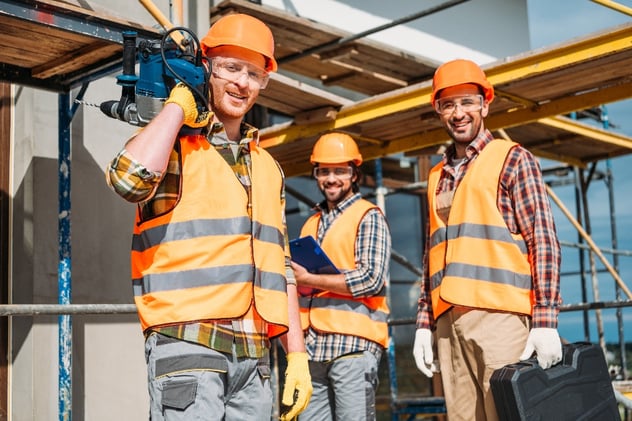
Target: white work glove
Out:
[545,341]
[422,351]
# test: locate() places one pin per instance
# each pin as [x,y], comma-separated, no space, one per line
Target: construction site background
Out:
[109,373]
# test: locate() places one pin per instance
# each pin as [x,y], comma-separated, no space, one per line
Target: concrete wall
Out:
[108,368]
[101,226]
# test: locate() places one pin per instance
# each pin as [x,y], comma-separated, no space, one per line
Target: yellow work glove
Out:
[298,386]
[181,95]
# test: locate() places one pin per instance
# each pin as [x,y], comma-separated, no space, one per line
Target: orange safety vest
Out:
[325,311]
[206,258]
[474,260]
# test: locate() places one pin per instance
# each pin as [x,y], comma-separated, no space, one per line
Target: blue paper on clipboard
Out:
[307,253]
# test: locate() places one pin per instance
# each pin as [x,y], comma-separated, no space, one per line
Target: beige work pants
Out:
[471,344]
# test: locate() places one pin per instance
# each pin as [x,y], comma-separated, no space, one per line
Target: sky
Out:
[552,22]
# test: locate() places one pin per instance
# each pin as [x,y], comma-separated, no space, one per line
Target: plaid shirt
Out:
[136,184]
[372,254]
[524,205]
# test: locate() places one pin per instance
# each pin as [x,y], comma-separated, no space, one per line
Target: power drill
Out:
[162,64]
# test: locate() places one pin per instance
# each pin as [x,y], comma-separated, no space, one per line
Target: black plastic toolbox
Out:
[577,388]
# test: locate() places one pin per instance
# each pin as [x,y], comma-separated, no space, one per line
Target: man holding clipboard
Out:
[344,315]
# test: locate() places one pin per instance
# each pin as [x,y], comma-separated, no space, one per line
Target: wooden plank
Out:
[91,11]
[75,59]
[290,96]
[316,116]
[370,70]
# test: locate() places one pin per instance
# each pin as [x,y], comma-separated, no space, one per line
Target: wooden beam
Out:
[580,129]
[314,116]
[439,136]
[520,67]
[526,115]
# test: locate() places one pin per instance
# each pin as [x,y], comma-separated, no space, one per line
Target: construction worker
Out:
[491,262]
[210,259]
[344,315]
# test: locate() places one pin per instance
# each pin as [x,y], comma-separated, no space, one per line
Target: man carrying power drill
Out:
[210,264]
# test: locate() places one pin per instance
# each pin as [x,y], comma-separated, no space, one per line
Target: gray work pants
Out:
[192,382]
[344,389]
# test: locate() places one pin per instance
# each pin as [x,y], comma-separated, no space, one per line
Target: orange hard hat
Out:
[459,72]
[335,148]
[241,31]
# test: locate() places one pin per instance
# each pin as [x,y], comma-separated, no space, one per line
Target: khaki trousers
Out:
[471,344]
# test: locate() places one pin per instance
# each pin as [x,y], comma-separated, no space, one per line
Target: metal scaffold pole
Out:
[64,269]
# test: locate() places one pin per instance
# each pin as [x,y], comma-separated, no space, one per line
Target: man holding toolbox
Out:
[490,292]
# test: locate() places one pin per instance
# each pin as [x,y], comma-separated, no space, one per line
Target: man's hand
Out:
[422,351]
[300,274]
[298,386]
[546,344]
[181,95]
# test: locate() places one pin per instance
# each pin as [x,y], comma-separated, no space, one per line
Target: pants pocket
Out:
[178,393]
[178,380]
[198,362]
[371,384]
[263,368]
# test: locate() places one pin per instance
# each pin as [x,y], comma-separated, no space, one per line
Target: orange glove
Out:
[298,386]
[181,95]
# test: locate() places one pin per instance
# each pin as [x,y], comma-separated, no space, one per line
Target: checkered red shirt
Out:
[524,204]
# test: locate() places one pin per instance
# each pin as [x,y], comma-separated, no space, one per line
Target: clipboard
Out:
[306,252]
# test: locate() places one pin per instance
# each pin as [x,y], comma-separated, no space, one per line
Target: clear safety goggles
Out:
[342,173]
[467,103]
[233,70]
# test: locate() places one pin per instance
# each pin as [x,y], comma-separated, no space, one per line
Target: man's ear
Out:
[485,109]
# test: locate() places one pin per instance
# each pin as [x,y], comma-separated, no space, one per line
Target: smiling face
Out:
[231,99]
[463,127]
[335,181]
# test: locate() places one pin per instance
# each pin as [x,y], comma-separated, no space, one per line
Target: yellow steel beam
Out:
[417,95]
[439,136]
[546,154]
[537,61]
[580,129]
[503,120]
[615,6]
[558,157]
[359,112]
[563,105]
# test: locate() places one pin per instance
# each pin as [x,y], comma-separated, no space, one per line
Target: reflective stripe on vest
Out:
[474,260]
[328,312]
[206,259]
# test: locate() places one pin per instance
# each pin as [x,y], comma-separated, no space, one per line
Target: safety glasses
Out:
[467,103]
[342,173]
[234,70]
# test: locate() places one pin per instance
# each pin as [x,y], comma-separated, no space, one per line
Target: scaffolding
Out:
[349,115]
